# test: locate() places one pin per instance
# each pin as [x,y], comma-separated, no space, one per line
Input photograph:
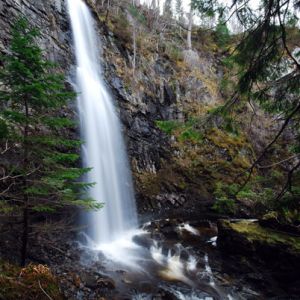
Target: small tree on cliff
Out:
[42,176]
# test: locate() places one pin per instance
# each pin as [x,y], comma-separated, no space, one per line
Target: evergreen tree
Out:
[179,10]
[168,9]
[222,33]
[42,176]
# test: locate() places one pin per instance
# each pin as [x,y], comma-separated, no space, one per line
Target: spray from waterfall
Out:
[103,148]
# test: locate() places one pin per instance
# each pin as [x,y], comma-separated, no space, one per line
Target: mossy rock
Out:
[247,238]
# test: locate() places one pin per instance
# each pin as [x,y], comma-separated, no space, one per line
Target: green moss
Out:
[190,134]
[167,126]
[255,232]
[232,142]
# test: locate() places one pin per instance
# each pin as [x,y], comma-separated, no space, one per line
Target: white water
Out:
[103,148]
[187,227]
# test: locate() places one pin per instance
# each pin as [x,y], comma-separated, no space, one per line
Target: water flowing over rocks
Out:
[230,264]
[83,278]
[104,150]
[139,108]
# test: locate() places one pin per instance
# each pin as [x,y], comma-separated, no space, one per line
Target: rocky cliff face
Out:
[49,16]
[163,86]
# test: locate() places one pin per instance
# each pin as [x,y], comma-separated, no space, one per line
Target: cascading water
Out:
[103,149]
[113,230]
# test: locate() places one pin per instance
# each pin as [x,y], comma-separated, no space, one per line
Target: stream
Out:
[165,259]
[162,259]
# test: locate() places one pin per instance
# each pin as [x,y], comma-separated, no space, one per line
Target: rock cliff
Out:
[162,87]
[159,100]
[49,16]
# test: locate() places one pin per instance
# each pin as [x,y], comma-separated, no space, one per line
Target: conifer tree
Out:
[168,9]
[179,9]
[43,176]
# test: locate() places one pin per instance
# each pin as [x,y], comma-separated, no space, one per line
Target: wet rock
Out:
[202,223]
[170,232]
[278,251]
[271,221]
[165,295]
[89,280]
[106,283]
[50,19]
[174,199]
[146,287]
[184,255]
[143,240]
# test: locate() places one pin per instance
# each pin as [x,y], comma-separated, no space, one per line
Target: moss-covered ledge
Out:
[248,238]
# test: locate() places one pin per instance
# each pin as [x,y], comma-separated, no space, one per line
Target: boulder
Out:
[280,251]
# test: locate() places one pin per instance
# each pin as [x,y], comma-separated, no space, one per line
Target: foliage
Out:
[264,67]
[190,134]
[133,10]
[167,9]
[224,206]
[33,94]
[224,202]
[121,29]
[222,34]
[183,131]
[43,176]
[207,7]
[260,193]
[167,126]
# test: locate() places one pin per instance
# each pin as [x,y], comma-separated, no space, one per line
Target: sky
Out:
[199,20]
[186,3]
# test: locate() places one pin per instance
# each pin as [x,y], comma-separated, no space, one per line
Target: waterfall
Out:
[103,149]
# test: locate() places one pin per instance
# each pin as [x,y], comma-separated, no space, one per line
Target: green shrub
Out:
[224,203]
[222,34]
[133,10]
[167,126]
[224,206]
[190,134]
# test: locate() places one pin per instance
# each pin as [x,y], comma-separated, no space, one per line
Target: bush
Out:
[224,206]
[167,126]
[224,203]
[222,34]
[190,134]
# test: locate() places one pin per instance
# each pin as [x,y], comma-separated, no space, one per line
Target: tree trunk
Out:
[25,231]
[134,47]
[25,195]
[189,34]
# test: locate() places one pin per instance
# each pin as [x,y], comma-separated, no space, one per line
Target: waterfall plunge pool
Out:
[167,259]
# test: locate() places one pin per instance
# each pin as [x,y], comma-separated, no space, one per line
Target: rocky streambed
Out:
[176,259]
